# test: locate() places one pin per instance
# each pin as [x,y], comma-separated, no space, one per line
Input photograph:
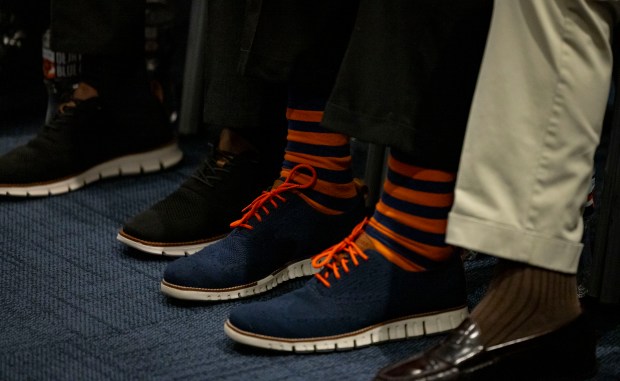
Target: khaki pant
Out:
[533,128]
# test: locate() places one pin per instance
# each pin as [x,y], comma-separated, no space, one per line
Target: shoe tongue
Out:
[277,183]
[364,243]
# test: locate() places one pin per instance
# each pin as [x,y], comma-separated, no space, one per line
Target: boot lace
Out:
[339,256]
[272,196]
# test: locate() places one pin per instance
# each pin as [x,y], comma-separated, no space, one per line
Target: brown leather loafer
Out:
[567,353]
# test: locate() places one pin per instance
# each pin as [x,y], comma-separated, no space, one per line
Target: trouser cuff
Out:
[508,242]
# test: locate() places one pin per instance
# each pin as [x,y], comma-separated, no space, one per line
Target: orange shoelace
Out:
[253,210]
[339,255]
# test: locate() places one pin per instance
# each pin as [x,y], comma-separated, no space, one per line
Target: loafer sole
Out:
[567,353]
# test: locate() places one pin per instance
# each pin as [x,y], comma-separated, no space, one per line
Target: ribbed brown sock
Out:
[524,300]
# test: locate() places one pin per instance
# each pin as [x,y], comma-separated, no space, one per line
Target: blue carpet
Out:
[78,305]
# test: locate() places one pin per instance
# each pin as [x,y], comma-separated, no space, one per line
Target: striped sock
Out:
[328,152]
[408,226]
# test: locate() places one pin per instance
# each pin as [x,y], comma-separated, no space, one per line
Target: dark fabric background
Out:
[97,27]
[409,74]
[407,77]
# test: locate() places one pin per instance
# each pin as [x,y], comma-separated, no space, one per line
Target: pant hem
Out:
[508,242]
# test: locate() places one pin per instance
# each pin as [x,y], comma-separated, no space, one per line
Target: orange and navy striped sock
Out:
[408,226]
[328,152]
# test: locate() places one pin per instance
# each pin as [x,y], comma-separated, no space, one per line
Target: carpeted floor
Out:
[78,305]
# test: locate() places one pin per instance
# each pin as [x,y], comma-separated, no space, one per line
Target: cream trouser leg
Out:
[532,132]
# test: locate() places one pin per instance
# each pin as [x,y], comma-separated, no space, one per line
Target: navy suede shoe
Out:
[272,243]
[358,299]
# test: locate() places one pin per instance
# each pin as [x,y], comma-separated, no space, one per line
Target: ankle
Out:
[524,300]
[233,142]
[84,91]
[363,242]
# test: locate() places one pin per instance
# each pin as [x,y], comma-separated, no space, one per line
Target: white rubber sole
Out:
[405,328]
[292,271]
[151,161]
[169,250]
